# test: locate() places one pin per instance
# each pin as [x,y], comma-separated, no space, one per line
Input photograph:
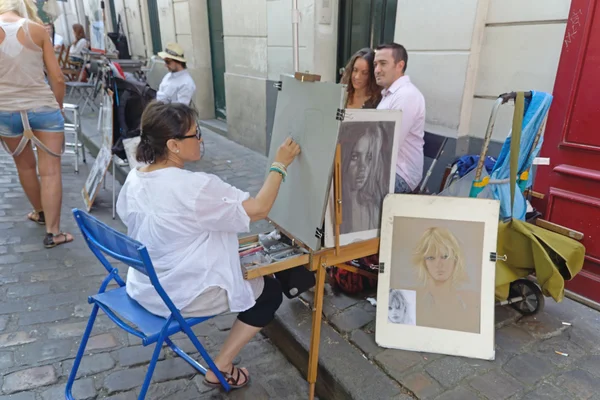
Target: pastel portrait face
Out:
[440,266]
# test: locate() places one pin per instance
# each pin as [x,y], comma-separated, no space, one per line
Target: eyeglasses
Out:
[197,135]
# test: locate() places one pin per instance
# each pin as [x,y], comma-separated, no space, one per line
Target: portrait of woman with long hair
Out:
[366,159]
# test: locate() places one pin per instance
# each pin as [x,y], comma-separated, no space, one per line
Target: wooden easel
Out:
[318,261]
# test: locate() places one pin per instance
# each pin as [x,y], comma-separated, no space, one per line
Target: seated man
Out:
[177,86]
[400,94]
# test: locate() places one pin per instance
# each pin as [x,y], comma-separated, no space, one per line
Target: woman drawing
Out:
[441,303]
[365,175]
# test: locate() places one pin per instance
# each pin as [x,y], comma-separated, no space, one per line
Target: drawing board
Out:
[104,157]
[308,112]
[369,152]
[436,291]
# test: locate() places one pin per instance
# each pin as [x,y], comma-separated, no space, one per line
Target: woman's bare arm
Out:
[55,75]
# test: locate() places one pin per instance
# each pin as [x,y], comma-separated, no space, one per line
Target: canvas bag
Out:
[528,248]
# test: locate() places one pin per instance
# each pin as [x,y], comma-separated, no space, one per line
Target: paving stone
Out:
[27,290]
[101,342]
[542,326]
[62,331]
[123,380]
[27,248]
[29,379]
[397,362]
[3,323]
[183,389]
[172,368]
[547,350]
[449,370]
[20,396]
[40,317]
[130,356]
[460,393]
[131,395]
[83,389]
[591,364]
[578,383]
[528,368]
[366,343]
[8,259]
[513,339]
[422,385]
[224,322]
[35,353]
[496,386]
[15,339]
[546,391]
[351,318]
[6,360]
[90,365]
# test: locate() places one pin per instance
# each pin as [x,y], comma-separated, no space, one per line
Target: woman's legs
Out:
[26,167]
[248,324]
[51,182]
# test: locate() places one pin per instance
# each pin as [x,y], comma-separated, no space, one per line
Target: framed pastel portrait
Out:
[436,291]
[369,149]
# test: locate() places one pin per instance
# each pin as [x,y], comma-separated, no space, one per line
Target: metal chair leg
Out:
[80,352]
[151,366]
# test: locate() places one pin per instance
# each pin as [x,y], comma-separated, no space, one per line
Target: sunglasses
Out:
[197,135]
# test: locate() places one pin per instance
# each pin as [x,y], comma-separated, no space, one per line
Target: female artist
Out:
[189,222]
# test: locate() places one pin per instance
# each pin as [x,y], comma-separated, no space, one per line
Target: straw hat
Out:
[173,51]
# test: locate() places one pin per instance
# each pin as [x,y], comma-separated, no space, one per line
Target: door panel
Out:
[572,180]
[363,23]
[154,26]
[217,48]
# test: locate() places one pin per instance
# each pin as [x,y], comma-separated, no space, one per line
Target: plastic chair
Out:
[124,311]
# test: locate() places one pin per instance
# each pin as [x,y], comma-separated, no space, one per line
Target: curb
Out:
[339,362]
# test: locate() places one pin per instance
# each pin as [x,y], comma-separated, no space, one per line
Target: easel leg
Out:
[315,339]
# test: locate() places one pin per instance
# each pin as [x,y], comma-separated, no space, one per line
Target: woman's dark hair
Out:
[79,32]
[160,123]
[372,88]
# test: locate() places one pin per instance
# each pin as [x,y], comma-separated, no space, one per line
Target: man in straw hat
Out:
[177,86]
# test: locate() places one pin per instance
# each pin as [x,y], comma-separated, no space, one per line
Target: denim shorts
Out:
[46,119]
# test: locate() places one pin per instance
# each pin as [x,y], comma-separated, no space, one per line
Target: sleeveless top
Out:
[22,82]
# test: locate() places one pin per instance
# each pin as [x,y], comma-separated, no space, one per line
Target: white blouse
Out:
[189,223]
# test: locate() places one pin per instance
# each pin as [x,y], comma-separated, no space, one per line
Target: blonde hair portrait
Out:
[24,8]
[439,242]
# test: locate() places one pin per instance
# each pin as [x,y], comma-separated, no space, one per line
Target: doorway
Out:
[363,23]
[217,50]
[154,26]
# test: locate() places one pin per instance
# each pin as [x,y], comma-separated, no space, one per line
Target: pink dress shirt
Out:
[405,96]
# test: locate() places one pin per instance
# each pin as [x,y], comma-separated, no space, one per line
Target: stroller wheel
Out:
[533,298]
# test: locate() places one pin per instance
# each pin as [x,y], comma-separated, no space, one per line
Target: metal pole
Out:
[295,45]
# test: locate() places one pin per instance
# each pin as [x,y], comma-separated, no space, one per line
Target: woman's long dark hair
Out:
[372,88]
[162,122]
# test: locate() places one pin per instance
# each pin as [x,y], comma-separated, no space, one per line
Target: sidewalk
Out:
[44,311]
[353,366]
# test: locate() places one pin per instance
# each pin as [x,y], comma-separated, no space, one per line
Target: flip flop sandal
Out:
[40,220]
[233,383]
[49,240]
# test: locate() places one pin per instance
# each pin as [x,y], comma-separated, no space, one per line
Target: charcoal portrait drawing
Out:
[366,167]
[402,307]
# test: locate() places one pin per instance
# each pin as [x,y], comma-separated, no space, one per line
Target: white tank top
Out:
[22,82]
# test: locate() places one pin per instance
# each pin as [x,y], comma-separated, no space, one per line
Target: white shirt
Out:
[189,223]
[58,40]
[177,87]
[78,48]
[405,96]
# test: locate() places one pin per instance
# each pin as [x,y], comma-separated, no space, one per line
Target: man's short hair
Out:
[398,51]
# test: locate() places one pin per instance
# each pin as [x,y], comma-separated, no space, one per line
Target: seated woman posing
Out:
[189,222]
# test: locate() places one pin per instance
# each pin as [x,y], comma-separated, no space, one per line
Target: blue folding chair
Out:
[103,240]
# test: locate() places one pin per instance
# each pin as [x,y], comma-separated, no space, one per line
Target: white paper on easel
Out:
[369,146]
[436,291]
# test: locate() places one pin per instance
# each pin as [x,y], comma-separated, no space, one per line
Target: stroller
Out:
[488,178]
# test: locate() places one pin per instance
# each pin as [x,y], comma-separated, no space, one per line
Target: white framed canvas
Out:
[436,291]
[369,150]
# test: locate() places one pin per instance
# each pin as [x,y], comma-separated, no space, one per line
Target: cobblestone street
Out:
[43,312]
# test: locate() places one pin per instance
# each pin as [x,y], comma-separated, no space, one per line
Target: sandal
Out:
[234,383]
[49,239]
[37,217]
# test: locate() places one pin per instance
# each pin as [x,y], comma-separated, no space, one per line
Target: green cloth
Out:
[553,257]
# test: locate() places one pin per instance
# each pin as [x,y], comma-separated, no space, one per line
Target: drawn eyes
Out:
[432,258]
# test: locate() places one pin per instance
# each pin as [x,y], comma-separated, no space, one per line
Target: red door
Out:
[571,182]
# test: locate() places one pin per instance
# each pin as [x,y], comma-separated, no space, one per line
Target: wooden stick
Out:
[315,339]
[337,190]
